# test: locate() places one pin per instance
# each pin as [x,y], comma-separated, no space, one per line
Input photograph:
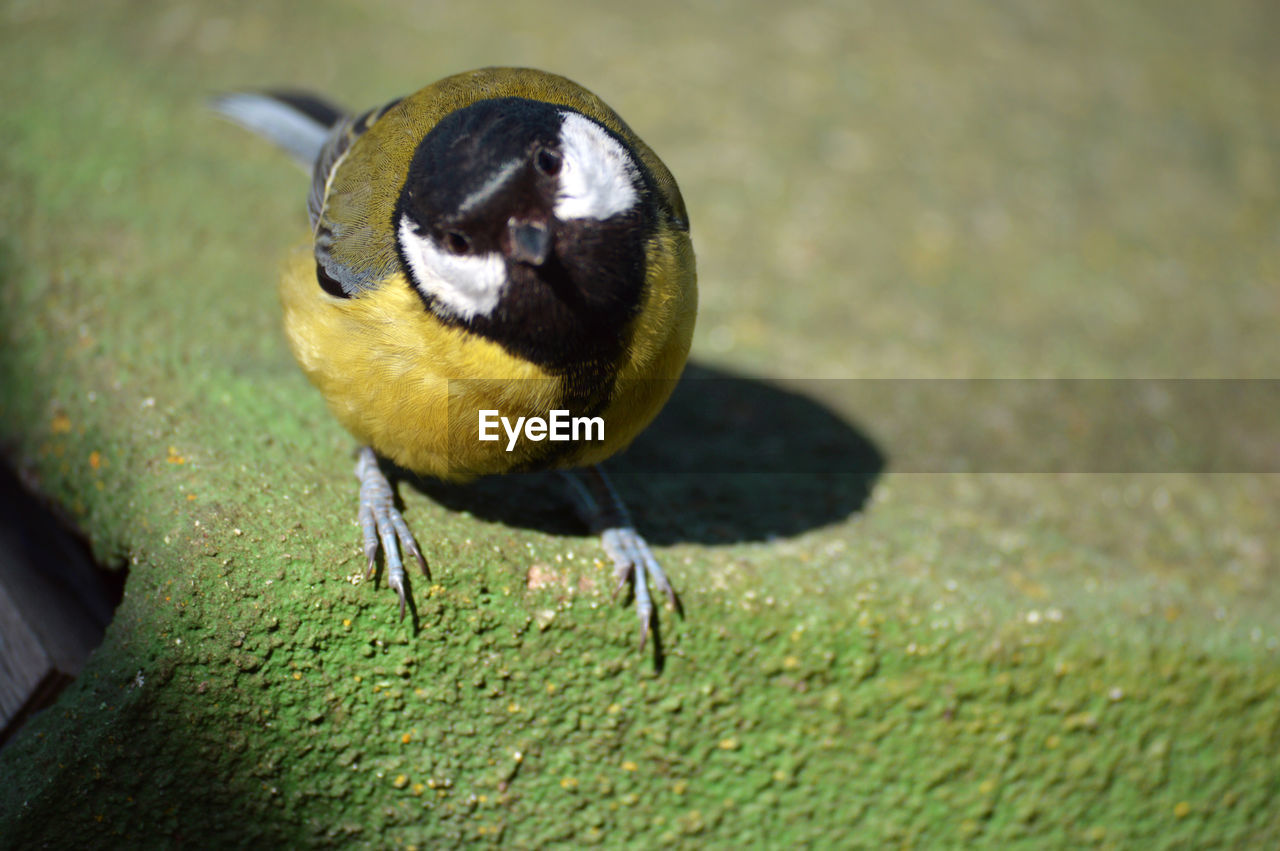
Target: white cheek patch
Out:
[463,285]
[598,177]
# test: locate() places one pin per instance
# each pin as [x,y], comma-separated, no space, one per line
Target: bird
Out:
[498,247]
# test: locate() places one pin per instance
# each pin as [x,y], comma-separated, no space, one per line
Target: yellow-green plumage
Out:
[406,383]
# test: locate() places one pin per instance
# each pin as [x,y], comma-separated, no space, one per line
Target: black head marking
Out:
[566,306]
[478,166]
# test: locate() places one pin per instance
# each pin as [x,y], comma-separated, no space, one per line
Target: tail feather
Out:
[298,123]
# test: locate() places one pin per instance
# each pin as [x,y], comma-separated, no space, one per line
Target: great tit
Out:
[499,245]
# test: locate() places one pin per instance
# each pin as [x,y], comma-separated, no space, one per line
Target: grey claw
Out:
[623,576]
[632,559]
[398,587]
[383,528]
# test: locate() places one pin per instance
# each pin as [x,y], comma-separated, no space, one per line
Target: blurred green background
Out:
[877,190]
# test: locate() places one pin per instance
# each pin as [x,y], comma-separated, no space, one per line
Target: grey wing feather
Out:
[317,135]
[339,141]
[349,280]
[300,124]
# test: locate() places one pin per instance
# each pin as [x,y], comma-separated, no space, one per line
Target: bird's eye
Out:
[547,161]
[456,242]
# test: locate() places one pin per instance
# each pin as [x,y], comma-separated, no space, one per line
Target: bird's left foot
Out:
[382,524]
[633,561]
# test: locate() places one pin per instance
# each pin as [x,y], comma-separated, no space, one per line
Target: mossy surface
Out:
[870,656]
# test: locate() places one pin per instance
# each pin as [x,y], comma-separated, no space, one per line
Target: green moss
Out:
[1044,660]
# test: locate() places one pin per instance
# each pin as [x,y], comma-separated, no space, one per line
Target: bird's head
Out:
[518,212]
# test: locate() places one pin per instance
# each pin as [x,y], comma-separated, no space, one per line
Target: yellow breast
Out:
[412,387]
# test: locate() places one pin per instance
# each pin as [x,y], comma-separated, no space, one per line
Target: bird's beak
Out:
[530,241]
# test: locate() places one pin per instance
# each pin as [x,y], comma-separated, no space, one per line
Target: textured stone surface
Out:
[876,191]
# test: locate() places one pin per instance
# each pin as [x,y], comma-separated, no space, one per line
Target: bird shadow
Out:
[730,459]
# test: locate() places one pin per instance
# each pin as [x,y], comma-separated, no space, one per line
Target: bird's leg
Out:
[381,523]
[599,506]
